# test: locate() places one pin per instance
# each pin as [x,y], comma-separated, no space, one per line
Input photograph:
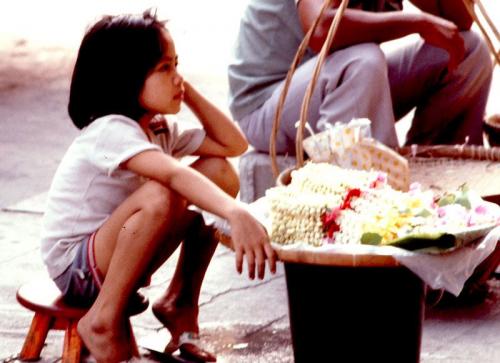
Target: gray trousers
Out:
[363,81]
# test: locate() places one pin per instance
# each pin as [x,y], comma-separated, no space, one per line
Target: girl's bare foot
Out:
[105,342]
[182,322]
[176,319]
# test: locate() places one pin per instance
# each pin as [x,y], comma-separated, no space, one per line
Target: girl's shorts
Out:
[81,281]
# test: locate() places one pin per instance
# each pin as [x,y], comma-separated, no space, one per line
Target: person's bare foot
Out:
[176,319]
[182,323]
[105,342]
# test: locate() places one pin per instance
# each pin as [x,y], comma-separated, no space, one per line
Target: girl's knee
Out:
[159,202]
[220,171]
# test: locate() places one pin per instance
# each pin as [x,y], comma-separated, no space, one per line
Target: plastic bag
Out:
[350,146]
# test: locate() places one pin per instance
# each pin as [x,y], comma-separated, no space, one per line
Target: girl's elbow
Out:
[238,149]
[243,148]
[243,145]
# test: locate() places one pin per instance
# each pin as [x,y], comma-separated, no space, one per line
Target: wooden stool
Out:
[44,298]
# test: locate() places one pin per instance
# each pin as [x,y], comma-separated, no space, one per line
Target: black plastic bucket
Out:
[354,314]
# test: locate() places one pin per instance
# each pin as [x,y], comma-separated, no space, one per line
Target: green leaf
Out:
[371,238]
[423,241]
[464,201]
[423,213]
[446,199]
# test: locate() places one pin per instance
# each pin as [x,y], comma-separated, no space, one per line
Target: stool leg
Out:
[33,344]
[72,344]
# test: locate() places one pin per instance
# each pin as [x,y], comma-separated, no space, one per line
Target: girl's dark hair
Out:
[115,57]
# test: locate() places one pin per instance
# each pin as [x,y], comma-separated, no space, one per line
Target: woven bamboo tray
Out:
[446,167]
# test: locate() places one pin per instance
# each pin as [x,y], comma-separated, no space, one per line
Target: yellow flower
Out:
[415,203]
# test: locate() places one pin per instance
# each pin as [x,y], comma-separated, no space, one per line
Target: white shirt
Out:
[89,183]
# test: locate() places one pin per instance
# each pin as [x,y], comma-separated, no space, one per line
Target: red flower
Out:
[351,193]
[329,219]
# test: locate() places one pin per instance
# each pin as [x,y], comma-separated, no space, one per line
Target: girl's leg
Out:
[124,249]
[177,309]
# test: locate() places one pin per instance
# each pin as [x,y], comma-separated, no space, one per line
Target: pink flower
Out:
[379,181]
[481,209]
[453,212]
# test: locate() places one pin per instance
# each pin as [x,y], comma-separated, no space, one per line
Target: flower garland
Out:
[327,204]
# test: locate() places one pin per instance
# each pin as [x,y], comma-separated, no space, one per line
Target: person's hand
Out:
[444,34]
[251,240]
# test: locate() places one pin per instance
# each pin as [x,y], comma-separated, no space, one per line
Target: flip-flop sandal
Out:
[191,348]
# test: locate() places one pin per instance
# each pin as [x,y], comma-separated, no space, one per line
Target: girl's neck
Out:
[145,120]
[144,123]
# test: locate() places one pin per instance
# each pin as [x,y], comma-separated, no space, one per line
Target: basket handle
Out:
[305,103]
[469,5]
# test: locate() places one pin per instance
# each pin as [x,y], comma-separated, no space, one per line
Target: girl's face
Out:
[163,89]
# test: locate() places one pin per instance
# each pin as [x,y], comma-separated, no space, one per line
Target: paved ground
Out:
[242,321]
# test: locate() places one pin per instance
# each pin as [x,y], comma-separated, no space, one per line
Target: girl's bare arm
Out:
[248,235]
[224,138]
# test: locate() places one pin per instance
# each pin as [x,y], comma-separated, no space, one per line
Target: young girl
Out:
[117,207]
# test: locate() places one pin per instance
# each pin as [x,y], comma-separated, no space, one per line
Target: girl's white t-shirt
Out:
[89,183]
